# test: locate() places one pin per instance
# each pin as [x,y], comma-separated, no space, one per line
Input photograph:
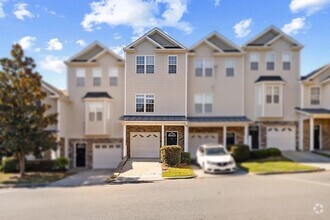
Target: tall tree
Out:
[23,119]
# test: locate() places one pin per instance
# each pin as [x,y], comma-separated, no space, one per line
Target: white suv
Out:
[215,158]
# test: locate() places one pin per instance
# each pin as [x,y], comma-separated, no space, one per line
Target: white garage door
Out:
[197,139]
[281,137]
[145,144]
[106,155]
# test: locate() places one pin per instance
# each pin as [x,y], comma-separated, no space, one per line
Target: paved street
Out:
[225,197]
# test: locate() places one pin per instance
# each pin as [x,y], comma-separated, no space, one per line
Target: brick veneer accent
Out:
[218,130]
[89,148]
[263,130]
[180,130]
[325,126]
[132,128]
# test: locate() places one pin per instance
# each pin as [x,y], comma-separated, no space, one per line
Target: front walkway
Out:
[85,178]
[308,158]
[141,170]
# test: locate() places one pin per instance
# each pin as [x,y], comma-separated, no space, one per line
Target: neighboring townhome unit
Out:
[314,110]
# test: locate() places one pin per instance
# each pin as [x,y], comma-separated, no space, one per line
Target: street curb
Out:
[289,172]
[180,177]
[23,185]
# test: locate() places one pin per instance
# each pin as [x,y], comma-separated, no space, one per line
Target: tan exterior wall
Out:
[227,91]
[291,88]
[169,89]
[325,133]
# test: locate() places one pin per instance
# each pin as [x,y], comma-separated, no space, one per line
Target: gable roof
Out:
[52,89]
[159,38]
[315,72]
[269,36]
[269,79]
[91,52]
[219,42]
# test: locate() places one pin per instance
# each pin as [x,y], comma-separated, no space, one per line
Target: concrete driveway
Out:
[85,178]
[308,158]
[141,170]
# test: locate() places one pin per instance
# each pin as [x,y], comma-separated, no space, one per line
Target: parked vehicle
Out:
[214,158]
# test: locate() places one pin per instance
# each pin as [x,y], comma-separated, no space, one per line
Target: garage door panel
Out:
[281,137]
[145,144]
[197,139]
[106,156]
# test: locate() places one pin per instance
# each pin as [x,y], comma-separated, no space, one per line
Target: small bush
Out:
[61,163]
[170,155]
[185,157]
[10,165]
[274,152]
[40,165]
[240,152]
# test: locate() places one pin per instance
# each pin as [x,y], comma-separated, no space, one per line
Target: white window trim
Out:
[145,64]
[258,61]
[204,66]
[110,75]
[203,95]
[273,94]
[274,54]
[234,66]
[310,96]
[145,102]
[177,136]
[282,56]
[168,64]
[83,77]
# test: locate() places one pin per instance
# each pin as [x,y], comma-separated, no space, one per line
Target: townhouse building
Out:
[164,93]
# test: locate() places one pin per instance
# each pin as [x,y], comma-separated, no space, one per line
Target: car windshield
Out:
[215,151]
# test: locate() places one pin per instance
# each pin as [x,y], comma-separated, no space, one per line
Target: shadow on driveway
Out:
[308,158]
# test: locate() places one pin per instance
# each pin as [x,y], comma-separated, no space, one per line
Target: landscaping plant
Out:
[240,152]
[171,155]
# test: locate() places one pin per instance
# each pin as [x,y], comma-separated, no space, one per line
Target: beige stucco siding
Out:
[77,109]
[169,89]
[291,88]
[227,91]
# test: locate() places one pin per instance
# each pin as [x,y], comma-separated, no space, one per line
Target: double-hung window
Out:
[315,95]
[145,103]
[254,61]
[203,67]
[286,61]
[80,77]
[272,94]
[95,112]
[203,103]
[113,76]
[97,74]
[230,67]
[270,61]
[145,64]
[172,64]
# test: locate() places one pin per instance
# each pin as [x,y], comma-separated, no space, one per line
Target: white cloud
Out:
[138,14]
[20,11]
[54,44]
[37,49]
[81,42]
[295,26]
[217,3]
[53,64]
[116,36]
[118,49]
[27,42]
[308,6]
[243,28]
[51,12]
[2,11]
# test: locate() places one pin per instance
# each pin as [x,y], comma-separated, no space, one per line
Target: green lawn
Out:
[178,172]
[274,165]
[31,177]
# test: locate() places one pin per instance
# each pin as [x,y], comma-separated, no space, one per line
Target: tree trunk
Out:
[21,160]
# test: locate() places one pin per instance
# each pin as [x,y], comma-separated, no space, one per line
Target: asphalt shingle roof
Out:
[314,110]
[97,95]
[269,78]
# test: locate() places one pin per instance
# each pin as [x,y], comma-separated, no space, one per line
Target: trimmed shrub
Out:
[9,165]
[40,165]
[61,163]
[170,155]
[240,152]
[185,157]
[274,152]
[260,154]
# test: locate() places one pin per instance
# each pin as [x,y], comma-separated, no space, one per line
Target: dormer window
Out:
[270,61]
[254,61]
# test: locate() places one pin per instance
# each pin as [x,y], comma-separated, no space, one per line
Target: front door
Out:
[172,138]
[254,133]
[80,155]
[317,137]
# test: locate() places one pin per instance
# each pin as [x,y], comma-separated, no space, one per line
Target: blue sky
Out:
[54,30]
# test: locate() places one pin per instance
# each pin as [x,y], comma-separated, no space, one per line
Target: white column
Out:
[225,136]
[66,147]
[246,131]
[163,138]
[186,138]
[124,142]
[311,133]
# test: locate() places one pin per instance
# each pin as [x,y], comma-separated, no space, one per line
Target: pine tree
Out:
[23,121]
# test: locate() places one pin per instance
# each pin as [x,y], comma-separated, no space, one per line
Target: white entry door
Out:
[106,156]
[281,137]
[197,139]
[145,144]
